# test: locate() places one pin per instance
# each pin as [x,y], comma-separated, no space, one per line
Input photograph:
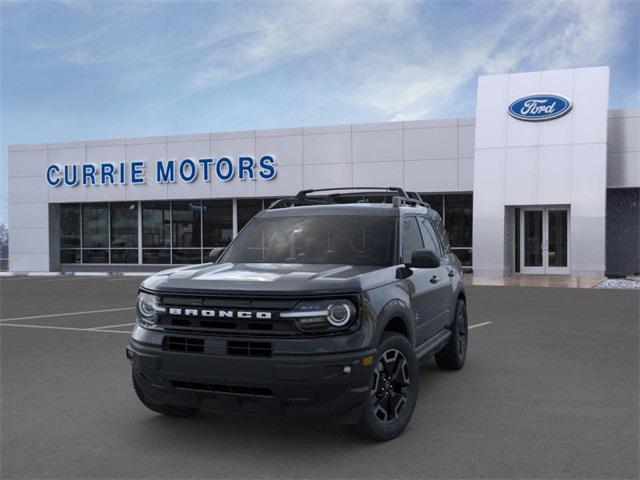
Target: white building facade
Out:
[545,179]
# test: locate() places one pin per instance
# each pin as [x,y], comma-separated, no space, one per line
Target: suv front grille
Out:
[273,326]
[216,388]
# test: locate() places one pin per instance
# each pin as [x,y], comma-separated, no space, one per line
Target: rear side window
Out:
[411,238]
[431,240]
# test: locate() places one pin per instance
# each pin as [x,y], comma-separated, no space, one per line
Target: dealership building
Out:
[544,180]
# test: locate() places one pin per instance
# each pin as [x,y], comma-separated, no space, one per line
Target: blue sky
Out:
[75,70]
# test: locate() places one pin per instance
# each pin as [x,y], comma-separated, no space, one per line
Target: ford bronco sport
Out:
[319,307]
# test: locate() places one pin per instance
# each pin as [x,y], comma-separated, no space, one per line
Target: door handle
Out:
[435,279]
[452,273]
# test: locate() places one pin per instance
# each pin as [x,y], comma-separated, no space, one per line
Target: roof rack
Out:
[399,198]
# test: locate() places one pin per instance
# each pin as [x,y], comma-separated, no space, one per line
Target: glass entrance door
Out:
[544,244]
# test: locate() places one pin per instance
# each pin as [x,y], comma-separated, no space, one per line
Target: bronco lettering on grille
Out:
[193,312]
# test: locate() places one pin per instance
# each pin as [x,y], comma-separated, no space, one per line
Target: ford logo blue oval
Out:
[536,108]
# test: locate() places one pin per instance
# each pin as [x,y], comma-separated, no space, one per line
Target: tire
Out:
[168,410]
[394,387]
[454,353]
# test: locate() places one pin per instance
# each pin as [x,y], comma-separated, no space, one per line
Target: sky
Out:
[74,70]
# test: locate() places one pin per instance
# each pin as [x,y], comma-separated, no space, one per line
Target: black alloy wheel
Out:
[393,390]
[391,383]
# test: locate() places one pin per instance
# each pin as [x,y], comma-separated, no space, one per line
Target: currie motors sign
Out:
[540,107]
[187,170]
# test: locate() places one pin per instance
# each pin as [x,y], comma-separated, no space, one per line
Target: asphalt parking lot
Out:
[550,390]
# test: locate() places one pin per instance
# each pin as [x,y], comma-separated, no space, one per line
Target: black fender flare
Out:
[395,309]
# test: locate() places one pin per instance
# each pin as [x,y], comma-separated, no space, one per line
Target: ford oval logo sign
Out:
[536,108]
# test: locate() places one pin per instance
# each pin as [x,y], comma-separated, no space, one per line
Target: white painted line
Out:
[7,274]
[479,325]
[136,274]
[47,327]
[113,326]
[34,317]
[43,274]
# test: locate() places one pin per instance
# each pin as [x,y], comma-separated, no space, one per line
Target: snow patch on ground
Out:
[618,283]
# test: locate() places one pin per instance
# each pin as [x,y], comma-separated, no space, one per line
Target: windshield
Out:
[330,239]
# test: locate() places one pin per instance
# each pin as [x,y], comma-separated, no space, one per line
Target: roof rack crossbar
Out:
[399,198]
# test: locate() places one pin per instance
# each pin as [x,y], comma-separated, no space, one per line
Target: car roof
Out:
[369,209]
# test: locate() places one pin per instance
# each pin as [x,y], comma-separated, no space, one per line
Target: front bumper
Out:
[318,385]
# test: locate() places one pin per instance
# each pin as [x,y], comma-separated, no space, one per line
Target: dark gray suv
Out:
[321,306]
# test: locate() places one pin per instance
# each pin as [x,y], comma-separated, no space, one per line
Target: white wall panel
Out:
[287,149]
[431,175]
[558,131]
[327,148]
[431,143]
[466,141]
[521,176]
[28,189]
[385,174]
[493,95]
[28,215]
[591,104]
[27,163]
[327,176]
[377,146]
[29,262]
[554,175]
[465,174]
[29,240]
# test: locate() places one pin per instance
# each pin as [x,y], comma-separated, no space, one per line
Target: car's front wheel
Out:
[393,390]
[169,410]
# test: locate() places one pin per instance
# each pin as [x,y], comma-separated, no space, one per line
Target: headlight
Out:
[148,307]
[322,315]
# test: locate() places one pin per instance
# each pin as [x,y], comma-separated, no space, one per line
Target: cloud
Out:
[524,37]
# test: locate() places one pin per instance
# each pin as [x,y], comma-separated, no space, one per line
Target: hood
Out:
[270,279]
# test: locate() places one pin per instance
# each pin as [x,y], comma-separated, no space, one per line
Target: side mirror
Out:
[215,253]
[424,259]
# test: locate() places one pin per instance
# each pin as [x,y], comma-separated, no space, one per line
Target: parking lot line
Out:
[476,325]
[74,329]
[113,326]
[52,315]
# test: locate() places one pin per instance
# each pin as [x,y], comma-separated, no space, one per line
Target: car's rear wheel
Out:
[454,354]
[393,390]
[169,410]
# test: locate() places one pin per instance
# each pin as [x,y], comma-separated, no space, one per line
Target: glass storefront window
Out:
[124,225]
[156,255]
[247,209]
[186,224]
[465,255]
[68,255]
[458,218]
[183,232]
[91,255]
[95,225]
[156,224]
[127,255]
[217,223]
[187,255]
[69,226]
